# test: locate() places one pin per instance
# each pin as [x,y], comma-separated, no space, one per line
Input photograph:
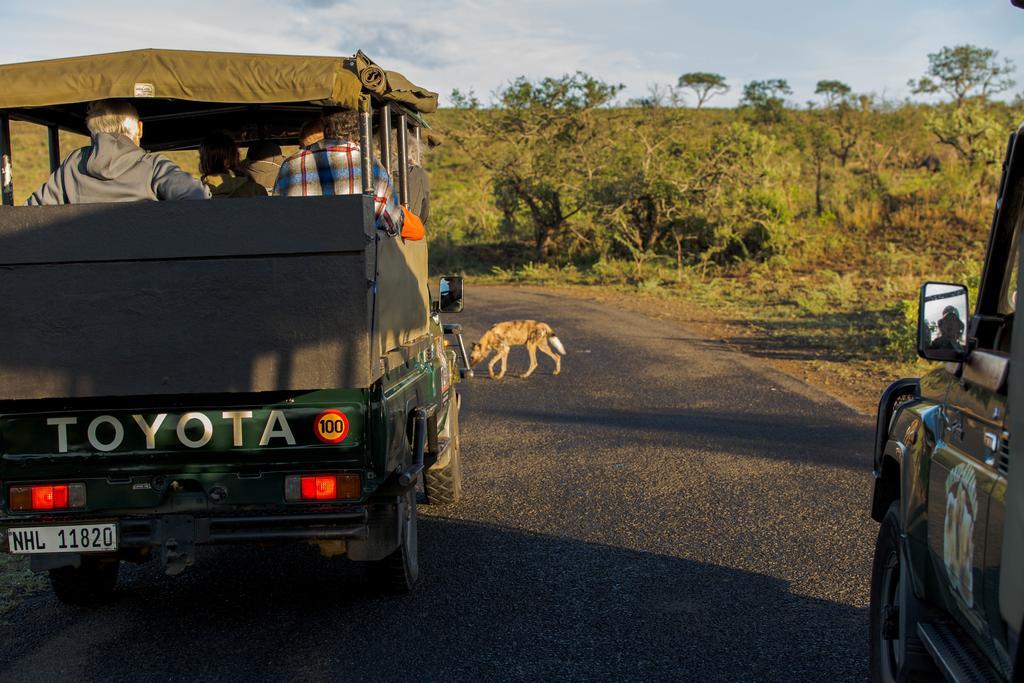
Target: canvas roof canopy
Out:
[181,95]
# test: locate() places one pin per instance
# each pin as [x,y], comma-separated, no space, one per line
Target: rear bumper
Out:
[343,524]
[369,532]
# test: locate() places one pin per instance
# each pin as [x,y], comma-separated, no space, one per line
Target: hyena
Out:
[502,337]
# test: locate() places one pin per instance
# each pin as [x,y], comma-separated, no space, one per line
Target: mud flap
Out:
[176,536]
[384,533]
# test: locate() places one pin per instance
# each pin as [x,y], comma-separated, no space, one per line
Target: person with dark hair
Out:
[262,163]
[220,168]
[950,328]
[312,131]
[332,166]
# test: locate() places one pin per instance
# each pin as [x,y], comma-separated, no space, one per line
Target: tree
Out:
[972,130]
[965,71]
[833,91]
[659,96]
[641,186]
[464,100]
[536,144]
[766,98]
[816,140]
[659,183]
[704,85]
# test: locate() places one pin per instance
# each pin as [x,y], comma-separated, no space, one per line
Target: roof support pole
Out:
[366,145]
[419,146]
[385,137]
[403,160]
[53,135]
[6,173]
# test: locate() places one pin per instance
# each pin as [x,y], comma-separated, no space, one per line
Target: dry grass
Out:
[17,582]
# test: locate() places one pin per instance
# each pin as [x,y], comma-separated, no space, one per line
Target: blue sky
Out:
[873,45]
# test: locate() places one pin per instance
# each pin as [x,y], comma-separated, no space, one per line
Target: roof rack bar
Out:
[212,109]
[385,137]
[403,160]
[6,174]
[53,137]
[366,146]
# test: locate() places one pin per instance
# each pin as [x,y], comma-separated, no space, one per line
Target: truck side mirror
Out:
[942,322]
[451,294]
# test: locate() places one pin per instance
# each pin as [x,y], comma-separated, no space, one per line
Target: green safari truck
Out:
[177,374]
[947,593]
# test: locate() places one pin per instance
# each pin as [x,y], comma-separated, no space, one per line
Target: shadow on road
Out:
[837,336]
[793,438]
[493,603]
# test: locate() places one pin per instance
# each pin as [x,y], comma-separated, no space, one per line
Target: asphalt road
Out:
[665,509]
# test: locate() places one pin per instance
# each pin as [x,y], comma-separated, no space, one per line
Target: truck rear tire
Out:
[399,571]
[91,583]
[897,653]
[442,483]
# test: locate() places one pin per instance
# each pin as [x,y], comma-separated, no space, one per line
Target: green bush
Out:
[899,330]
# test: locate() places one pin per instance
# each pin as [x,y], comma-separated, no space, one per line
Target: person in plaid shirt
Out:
[332,167]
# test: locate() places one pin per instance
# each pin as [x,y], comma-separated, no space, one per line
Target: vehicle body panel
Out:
[950,436]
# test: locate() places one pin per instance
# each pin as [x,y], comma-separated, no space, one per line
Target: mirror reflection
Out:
[944,317]
[451,294]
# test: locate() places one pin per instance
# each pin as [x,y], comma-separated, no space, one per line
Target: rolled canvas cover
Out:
[201,297]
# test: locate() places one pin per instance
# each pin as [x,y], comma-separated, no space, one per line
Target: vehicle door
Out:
[966,485]
[961,479]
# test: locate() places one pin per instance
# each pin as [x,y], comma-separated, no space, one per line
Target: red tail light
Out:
[47,497]
[323,487]
[319,488]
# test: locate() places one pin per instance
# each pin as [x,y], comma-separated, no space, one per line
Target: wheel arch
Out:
[888,456]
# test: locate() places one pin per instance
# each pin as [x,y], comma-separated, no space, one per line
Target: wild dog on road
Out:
[502,337]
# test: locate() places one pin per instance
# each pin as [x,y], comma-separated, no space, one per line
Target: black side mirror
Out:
[451,294]
[942,322]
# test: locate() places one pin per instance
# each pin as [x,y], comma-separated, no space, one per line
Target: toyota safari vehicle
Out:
[947,593]
[176,374]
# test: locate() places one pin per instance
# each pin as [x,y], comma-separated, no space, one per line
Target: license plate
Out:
[78,538]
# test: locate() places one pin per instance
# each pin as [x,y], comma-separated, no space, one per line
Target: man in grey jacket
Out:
[114,168]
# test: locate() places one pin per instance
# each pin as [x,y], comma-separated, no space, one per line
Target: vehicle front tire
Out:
[91,583]
[399,571]
[442,482]
[897,653]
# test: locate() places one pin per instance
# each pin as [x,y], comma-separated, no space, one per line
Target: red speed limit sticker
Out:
[331,426]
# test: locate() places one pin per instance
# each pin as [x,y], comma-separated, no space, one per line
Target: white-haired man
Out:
[114,168]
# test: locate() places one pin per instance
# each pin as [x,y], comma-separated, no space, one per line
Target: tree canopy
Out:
[704,85]
[965,71]
[766,98]
[833,91]
[536,143]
